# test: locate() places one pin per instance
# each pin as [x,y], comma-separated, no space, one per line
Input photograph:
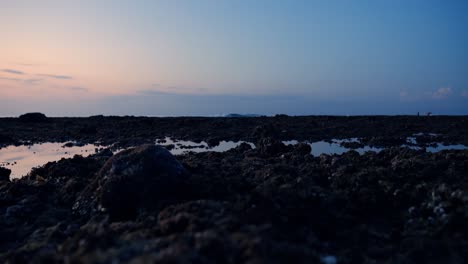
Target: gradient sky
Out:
[209,57]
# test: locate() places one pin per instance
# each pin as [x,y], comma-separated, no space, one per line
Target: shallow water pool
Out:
[21,159]
[324,147]
[183,146]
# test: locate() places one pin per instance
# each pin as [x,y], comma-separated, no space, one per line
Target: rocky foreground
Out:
[273,204]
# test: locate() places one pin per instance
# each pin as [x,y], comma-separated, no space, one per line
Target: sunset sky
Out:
[209,57]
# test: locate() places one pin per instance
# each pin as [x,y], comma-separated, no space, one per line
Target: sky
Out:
[213,57]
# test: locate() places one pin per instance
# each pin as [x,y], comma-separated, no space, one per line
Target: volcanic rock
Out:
[303,148]
[4,174]
[33,117]
[271,147]
[133,179]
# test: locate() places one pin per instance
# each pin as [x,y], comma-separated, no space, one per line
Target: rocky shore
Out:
[132,131]
[269,204]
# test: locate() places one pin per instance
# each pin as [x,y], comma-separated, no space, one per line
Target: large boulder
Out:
[33,117]
[134,179]
[4,174]
[271,147]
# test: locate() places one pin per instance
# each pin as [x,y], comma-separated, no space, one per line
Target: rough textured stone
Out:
[271,147]
[136,178]
[4,174]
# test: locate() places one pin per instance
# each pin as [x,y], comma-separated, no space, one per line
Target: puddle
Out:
[440,147]
[21,159]
[426,134]
[411,141]
[323,147]
[182,146]
[346,140]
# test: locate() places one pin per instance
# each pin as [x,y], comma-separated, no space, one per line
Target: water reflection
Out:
[183,146]
[21,159]
[441,147]
[333,147]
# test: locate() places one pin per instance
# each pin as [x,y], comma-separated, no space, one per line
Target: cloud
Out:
[442,93]
[12,71]
[10,79]
[27,64]
[27,81]
[32,81]
[62,77]
[78,89]
[150,92]
[464,93]
[171,90]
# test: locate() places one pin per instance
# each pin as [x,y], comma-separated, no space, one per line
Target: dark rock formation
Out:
[134,179]
[303,148]
[272,204]
[33,117]
[269,146]
[5,174]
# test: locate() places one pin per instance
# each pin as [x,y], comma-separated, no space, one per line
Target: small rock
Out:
[244,147]
[303,148]
[68,145]
[271,147]
[213,142]
[5,174]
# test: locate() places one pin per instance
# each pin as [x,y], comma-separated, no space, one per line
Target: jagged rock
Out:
[303,148]
[133,179]
[271,147]
[5,174]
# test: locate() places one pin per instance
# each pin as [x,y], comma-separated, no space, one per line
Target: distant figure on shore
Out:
[418,114]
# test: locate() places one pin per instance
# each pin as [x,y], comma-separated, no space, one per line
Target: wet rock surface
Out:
[269,204]
[134,179]
[240,206]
